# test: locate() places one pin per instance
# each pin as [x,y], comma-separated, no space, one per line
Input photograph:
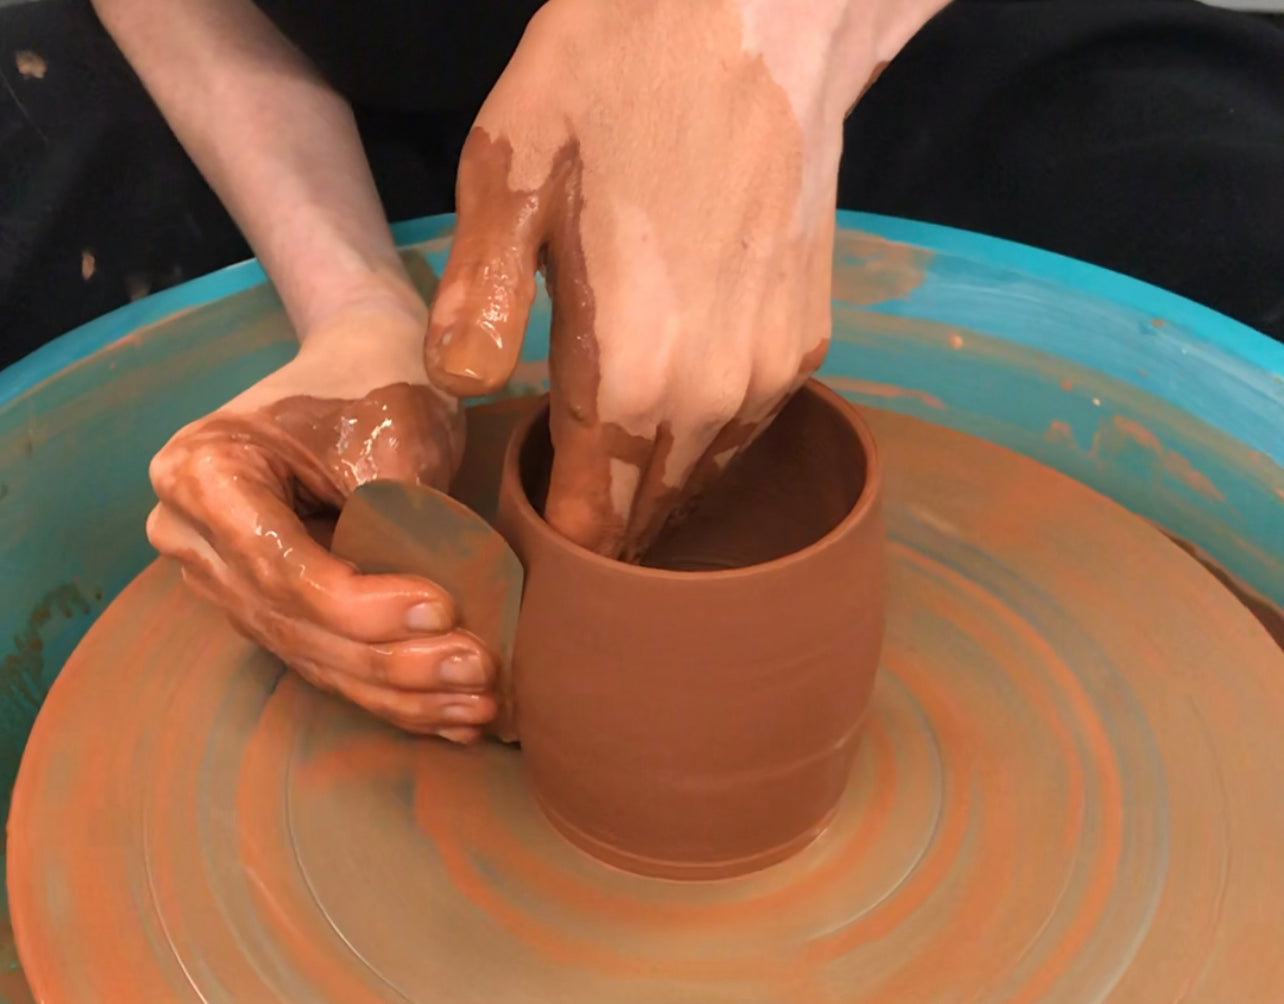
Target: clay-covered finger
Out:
[453,662]
[414,711]
[203,571]
[479,314]
[415,690]
[598,461]
[595,476]
[258,536]
[174,537]
[460,717]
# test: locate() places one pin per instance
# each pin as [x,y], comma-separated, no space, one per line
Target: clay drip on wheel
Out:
[1068,790]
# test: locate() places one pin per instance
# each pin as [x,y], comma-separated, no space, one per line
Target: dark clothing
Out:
[1143,135]
[1146,136]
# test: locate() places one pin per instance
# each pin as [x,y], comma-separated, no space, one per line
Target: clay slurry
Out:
[1051,802]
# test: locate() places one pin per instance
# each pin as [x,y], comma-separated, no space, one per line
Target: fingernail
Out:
[462,736]
[470,360]
[427,617]
[463,669]
[461,370]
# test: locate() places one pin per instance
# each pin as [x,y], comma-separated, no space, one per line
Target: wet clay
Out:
[593,450]
[1068,790]
[330,446]
[245,498]
[731,244]
[697,718]
[299,457]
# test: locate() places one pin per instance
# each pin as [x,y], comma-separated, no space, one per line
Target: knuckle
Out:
[383,665]
[550,24]
[814,350]
[173,538]
[186,463]
[775,375]
[265,573]
[636,405]
[206,455]
[775,371]
[156,530]
[716,403]
[162,468]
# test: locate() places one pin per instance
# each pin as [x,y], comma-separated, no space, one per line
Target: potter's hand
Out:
[675,166]
[235,486]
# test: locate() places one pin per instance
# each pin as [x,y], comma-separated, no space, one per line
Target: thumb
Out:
[479,315]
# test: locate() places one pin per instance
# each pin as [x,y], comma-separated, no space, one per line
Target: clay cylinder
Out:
[696,716]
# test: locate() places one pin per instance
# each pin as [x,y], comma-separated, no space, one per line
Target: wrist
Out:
[375,305]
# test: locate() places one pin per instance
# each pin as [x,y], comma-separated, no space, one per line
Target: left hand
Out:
[240,488]
[673,164]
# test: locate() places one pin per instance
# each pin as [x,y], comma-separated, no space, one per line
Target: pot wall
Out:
[696,724]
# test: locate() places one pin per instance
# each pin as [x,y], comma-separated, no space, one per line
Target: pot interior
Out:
[790,488]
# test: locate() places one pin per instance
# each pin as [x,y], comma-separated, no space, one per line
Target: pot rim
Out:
[866,502]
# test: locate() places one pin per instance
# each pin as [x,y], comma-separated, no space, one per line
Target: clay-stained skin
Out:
[247,498]
[1053,803]
[673,165]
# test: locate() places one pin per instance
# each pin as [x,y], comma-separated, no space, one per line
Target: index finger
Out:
[596,465]
[587,461]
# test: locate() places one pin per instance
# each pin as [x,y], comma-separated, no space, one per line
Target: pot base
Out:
[682,870]
[1051,801]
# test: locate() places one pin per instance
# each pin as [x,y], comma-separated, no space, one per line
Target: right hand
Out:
[672,168]
[236,487]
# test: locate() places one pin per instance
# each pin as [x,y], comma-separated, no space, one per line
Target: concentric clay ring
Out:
[1071,788]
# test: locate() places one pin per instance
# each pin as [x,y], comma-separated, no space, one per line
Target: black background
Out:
[1143,135]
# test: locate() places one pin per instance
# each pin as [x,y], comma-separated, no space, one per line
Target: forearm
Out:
[279,147]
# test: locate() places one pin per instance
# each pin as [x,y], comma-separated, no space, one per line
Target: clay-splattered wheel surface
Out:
[1071,788]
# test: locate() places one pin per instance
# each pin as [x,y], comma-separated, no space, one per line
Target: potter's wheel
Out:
[1070,789]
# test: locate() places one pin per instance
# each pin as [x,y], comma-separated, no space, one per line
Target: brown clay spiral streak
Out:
[1068,790]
